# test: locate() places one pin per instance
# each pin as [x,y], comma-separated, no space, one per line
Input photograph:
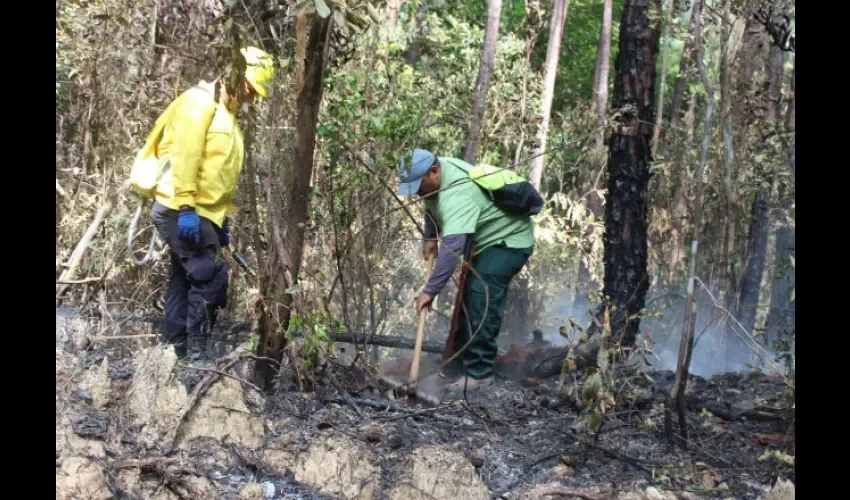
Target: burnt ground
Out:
[517,434]
[513,434]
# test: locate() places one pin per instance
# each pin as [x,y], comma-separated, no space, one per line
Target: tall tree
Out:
[782,316]
[659,115]
[677,391]
[553,50]
[626,279]
[682,79]
[309,98]
[748,297]
[600,75]
[482,85]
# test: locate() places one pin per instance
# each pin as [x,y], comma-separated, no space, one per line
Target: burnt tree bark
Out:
[482,84]
[272,341]
[553,50]
[600,75]
[626,279]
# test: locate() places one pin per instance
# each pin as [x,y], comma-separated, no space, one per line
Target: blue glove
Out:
[189,226]
[225,234]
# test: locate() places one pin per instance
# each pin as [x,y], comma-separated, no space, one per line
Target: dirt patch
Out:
[81,478]
[439,473]
[97,383]
[338,465]
[156,397]
[222,414]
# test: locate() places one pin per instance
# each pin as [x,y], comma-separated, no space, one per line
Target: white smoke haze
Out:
[718,348]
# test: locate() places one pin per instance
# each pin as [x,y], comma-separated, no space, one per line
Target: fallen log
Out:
[386,341]
[351,338]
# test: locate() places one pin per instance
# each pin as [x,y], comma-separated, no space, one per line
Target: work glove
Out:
[225,234]
[189,226]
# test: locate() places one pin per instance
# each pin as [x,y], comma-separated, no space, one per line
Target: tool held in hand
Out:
[420,333]
[403,372]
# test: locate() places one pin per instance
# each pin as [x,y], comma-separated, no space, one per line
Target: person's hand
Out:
[424,301]
[225,233]
[189,226]
[429,249]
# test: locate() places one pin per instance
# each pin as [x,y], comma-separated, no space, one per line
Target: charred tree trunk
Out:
[482,85]
[629,157]
[603,64]
[682,79]
[553,50]
[307,108]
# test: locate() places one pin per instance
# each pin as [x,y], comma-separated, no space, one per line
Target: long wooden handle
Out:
[420,332]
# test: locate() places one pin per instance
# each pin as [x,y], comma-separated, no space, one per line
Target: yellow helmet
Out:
[259,69]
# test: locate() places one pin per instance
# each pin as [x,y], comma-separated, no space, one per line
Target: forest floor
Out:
[146,426]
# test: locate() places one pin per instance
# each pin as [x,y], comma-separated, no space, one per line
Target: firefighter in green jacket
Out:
[500,244]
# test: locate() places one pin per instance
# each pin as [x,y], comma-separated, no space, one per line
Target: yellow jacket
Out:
[204,146]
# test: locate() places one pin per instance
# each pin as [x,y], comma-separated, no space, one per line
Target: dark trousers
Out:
[496,266]
[197,285]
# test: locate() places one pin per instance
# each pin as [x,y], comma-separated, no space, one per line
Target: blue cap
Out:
[411,172]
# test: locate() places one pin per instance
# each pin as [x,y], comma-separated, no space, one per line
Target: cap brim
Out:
[409,188]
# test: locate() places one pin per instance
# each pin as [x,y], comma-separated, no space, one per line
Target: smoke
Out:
[720,345]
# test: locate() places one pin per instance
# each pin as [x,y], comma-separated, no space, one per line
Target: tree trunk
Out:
[682,79]
[753,48]
[626,278]
[603,64]
[659,115]
[686,346]
[727,158]
[751,281]
[300,48]
[393,7]
[482,85]
[760,223]
[553,50]
[308,102]
[782,315]
[414,51]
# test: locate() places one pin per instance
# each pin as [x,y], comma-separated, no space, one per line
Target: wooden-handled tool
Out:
[420,333]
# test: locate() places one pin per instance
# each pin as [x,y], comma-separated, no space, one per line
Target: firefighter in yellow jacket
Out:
[202,149]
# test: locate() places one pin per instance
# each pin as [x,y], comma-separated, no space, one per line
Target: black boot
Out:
[180,349]
[197,347]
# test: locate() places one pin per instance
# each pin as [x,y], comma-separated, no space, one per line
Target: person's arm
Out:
[430,227]
[450,252]
[188,126]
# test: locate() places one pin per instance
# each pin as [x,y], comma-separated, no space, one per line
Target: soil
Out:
[507,440]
